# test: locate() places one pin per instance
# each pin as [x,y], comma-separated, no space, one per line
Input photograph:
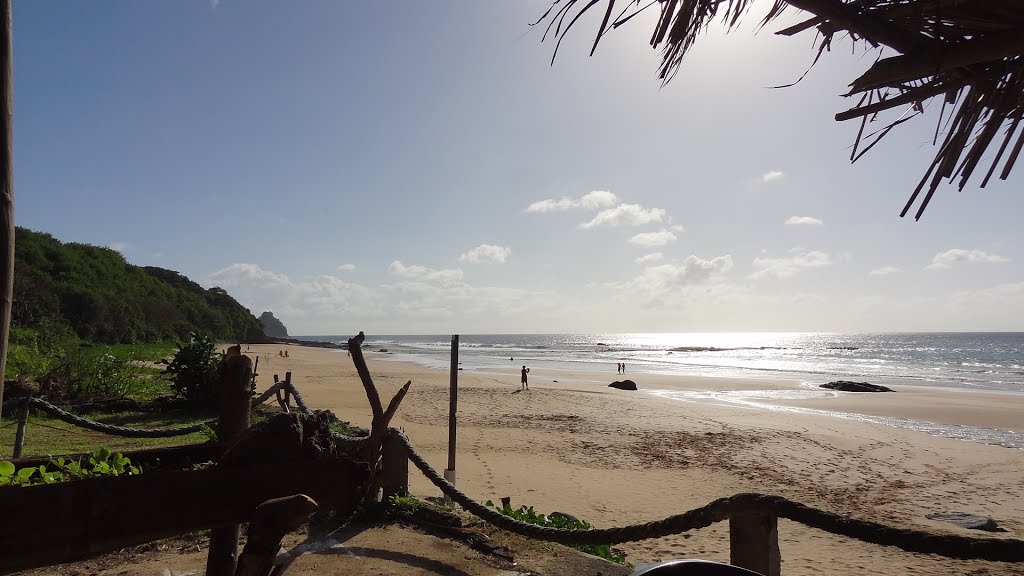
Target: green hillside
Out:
[105,299]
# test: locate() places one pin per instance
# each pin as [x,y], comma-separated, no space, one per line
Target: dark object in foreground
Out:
[693,568]
[969,521]
[848,386]
[623,385]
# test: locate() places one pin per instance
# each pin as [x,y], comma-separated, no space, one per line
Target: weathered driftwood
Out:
[381,417]
[272,520]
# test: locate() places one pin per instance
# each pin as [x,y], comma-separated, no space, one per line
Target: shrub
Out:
[528,515]
[195,370]
[96,373]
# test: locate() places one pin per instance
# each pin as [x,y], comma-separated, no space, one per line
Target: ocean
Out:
[978,360]
[983,361]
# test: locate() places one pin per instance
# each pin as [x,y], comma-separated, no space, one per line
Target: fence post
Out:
[236,395]
[453,408]
[19,437]
[754,542]
[394,468]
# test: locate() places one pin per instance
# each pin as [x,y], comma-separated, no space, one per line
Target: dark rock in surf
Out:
[848,386]
[623,385]
[383,350]
[969,521]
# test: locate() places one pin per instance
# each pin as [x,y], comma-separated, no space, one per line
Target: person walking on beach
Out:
[618,367]
[523,384]
[623,367]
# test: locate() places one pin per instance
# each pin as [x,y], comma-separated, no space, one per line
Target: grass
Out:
[151,351]
[48,436]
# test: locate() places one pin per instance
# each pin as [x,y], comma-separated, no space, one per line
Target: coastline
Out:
[614,457]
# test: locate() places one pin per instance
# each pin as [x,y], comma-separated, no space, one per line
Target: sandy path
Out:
[614,457]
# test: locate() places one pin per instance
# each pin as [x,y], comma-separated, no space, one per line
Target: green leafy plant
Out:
[404,504]
[102,462]
[195,370]
[530,516]
[97,373]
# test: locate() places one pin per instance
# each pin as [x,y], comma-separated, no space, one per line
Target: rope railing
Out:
[111,429]
[128,432]
[950,546]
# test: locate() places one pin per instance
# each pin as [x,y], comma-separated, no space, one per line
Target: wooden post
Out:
[453,406]
[394,468]
[19,437]
[234,419]
[6,185]
[754,542]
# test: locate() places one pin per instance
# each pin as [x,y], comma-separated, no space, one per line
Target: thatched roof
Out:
[969,54]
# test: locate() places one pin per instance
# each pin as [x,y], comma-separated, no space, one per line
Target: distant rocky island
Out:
[272,327]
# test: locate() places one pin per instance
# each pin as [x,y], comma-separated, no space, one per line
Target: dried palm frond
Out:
[970,53]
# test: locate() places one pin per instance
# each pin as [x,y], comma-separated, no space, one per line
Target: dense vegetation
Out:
[104,299]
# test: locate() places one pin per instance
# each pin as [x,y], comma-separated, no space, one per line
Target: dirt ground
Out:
[391,550]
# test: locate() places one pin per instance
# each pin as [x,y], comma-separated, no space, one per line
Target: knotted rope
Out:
[950,546]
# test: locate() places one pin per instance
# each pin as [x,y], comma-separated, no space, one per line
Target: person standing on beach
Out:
[618,367]
[522,381]
[623,367]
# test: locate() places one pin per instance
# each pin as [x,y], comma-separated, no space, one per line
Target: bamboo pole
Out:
[6,185]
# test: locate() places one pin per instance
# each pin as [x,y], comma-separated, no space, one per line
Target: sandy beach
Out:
[614,457]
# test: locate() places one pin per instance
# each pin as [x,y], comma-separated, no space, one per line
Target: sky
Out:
[418,167]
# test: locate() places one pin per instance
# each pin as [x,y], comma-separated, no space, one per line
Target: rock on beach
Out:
[848,386]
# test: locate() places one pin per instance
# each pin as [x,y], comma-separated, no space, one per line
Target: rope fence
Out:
[129,432]
[950,546]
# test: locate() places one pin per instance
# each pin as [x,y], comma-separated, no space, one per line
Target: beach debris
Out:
[849,386]
[564,515]
[969,521]
[623,385]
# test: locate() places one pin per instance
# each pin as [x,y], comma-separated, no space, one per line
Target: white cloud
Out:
[884,271]
[552,205]
[589,201]
[949,257]
[652,239]
[424,274]
[241,273]
[803,220]
[486,253]
[625,215]
[432,300]
[598,199]
[787,267]
[649,258]
[772,175]
[676,227]
[121,247]
[657,283]
[346,267]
